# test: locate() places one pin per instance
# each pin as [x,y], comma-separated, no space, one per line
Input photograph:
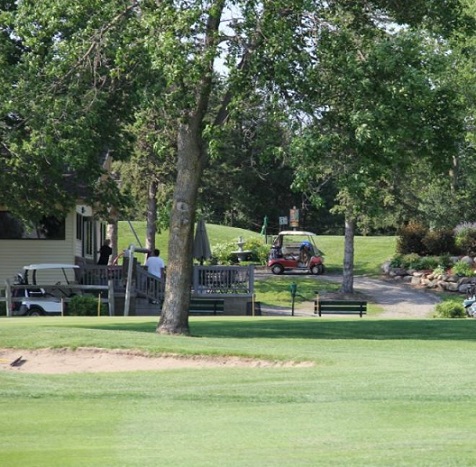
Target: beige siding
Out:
[14,254]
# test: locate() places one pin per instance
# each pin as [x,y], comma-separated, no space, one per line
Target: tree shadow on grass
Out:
[289,328]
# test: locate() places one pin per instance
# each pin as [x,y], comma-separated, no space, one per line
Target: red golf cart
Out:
[296,250]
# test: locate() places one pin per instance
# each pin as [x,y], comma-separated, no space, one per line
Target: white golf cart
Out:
[35,300]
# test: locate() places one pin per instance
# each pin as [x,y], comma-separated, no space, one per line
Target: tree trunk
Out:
[174,318]
[151,227]
[348,279]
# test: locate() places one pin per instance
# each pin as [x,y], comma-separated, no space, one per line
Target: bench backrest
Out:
[342,307]
[212,305]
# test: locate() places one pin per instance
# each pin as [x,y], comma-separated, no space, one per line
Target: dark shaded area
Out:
[315,328]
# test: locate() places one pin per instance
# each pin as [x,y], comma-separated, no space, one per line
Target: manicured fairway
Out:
[381,392]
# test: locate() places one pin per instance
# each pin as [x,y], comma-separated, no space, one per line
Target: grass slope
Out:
[381,393]
[370,252]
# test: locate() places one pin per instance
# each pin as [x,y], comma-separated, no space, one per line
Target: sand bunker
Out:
[90,360]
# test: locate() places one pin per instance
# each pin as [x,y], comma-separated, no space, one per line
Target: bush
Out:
[460,268]
[450,309]
[439,271]
[410,239]
[414,261]
[223,252]
[437,242]
[428,263]
[85,305]
[259,250]
[466,240]
[445,261]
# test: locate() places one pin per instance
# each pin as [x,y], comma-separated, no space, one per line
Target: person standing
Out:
[155,264]
[105,252]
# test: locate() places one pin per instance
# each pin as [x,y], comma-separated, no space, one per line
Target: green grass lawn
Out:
[380,393]
[370,252]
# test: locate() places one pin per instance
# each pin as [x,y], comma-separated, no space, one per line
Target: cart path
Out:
[397,300]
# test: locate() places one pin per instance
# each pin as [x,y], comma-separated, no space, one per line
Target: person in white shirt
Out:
[155,264]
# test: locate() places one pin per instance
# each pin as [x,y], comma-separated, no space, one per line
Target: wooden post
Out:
[99,304]
[127,300]
[316,302]
[110,297]
[8,297]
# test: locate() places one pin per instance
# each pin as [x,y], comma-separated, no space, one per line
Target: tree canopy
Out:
[360,87]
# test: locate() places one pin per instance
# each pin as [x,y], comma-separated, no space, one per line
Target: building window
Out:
[88,236]
[79,227]
[48,228]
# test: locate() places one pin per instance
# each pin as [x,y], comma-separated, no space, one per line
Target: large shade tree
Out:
[382,106]
[65,90]
[81,61]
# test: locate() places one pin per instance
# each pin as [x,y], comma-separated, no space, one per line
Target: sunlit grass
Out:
[381,392]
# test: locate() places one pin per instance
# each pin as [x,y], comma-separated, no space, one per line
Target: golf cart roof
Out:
[296,232]
[39,266]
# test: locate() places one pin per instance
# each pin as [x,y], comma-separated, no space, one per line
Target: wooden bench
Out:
[340,307]
[210,306]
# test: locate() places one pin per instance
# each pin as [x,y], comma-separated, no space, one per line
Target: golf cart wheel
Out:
[35,312]
[317,269]
[277,269]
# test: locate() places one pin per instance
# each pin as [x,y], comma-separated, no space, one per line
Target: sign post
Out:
[294,217]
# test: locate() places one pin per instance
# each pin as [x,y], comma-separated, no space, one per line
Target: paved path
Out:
[397,300]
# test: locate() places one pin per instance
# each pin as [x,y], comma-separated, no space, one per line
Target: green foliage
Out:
[415,261]
[65,92]
[222,253]
[450,309]
[410,239]
[428,263]
[462,269]
[259,250]
[225,253]
[439,241]
[466,240]
[445,261]
[85,305]
[438,271]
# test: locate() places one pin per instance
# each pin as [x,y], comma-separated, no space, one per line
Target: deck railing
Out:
[209,280]
[223,280]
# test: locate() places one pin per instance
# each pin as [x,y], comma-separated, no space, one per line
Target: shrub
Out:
[410,239]
[396,261]
[411,261]
[223,252]
[466,240]
[428,262]
[85,305]
[445,261]
[437,242]
[414,261]
[259,250]
[460,268]
[438,271]
[450,309]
